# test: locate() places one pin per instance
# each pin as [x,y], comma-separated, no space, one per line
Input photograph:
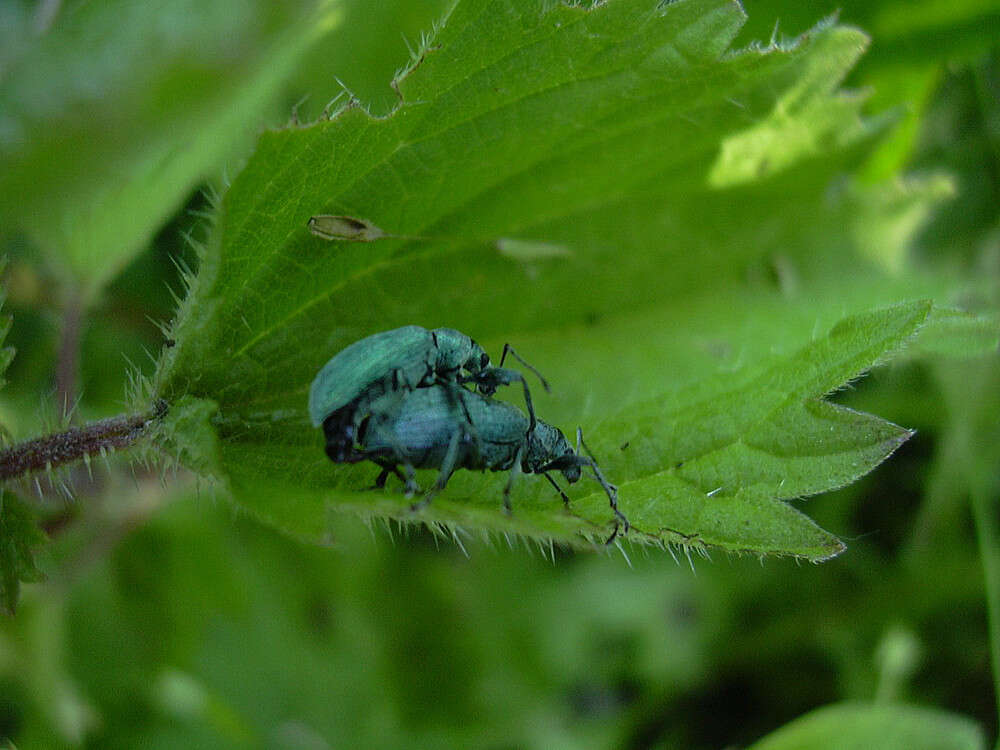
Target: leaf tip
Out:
[835,549]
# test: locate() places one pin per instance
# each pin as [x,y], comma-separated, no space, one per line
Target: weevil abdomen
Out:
[419,431]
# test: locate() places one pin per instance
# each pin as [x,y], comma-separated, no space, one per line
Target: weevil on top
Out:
[399,399]
[395,362]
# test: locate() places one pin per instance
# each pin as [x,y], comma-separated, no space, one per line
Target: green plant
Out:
[703,246]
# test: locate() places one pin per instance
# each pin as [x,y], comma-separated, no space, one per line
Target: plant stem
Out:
[72,445]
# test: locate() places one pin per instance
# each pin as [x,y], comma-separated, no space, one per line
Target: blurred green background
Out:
[169,620]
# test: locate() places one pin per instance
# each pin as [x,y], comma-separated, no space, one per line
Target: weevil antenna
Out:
[508,349]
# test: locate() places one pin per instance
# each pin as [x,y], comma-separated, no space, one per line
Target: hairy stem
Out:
[72,445]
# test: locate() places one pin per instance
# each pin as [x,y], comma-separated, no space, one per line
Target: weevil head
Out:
[340,432]
[476,359]
[477,362]
[549,450]
[488,379]
[572,471]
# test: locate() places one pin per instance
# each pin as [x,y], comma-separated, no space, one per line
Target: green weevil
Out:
[425,428]
[396,361]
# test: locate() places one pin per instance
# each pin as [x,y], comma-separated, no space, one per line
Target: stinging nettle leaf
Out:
[19,531]
[715,463]
[19,536]
[592,130]
[855,726]
[532,124]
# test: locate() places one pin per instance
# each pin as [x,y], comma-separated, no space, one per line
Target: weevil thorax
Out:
[548,444]
[456,351]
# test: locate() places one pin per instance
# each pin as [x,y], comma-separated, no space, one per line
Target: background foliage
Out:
[716,230]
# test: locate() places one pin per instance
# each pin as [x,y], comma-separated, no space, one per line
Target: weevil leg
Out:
[383,476]
[614,534]
[515,471]
[409,479]
[554,483]
[447,468]
[450,458]
[508,349]
[454,393]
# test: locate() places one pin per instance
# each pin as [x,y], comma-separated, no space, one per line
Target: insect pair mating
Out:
[399,399]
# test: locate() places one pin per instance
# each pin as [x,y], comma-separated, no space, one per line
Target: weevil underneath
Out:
[426,428]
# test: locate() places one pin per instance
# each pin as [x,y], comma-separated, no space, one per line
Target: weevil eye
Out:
[572,474]
[484,361]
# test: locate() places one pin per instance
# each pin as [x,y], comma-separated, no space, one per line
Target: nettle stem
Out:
[72,445]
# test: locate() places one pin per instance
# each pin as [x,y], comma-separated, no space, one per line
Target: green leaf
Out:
[19,536]
[808,118]
[6,352]
[713,462]
[915,43]
[855,726]
[372,42]
[708,465]
[187,430]
[19,532]
[595,131]
[602,188]
[115,114]
[591,129]
[909,34]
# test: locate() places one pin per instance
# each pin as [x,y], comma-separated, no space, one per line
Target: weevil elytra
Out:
[426,428]
[399,360]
